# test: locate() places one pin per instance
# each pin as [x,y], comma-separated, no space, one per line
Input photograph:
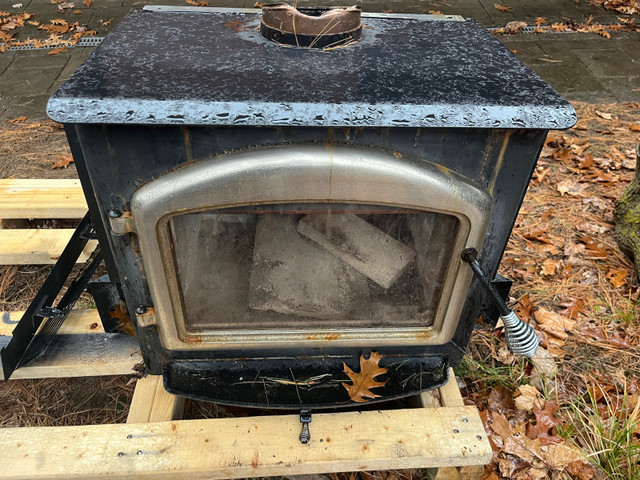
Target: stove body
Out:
[272,214]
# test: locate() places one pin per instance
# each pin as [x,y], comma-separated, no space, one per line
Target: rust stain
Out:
[192,339]
[311,336]
[93,326]
[365,447]
[496,170]
[187,144]
[332,336]
[328,439]
[174,427]
[255,460]
[424,334]
[235,25]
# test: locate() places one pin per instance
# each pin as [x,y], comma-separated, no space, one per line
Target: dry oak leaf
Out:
[62,162]
[554,324]
[502,8]
[529,397]
[18,119]
[634,128]
[541,21]
[617,278]
[550,267]
[87,3]
[363,381]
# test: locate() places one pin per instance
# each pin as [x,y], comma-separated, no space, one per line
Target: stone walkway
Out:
[581,66]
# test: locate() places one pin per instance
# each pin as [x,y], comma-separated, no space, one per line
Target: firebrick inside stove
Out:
[270,213]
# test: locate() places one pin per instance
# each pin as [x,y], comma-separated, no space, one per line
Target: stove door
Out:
[290,246]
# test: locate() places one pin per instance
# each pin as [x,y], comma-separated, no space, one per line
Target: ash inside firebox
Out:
[310,269]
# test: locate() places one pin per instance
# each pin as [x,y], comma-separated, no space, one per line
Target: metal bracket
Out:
[305,419]
[121,222]
[145,316]
[31,338]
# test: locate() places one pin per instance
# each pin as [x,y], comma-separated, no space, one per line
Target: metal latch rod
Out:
[521,338]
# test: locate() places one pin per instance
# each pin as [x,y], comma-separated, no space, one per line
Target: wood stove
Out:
[271,215]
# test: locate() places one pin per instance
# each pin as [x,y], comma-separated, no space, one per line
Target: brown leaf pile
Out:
[588,26]
[524,439]
[61,33]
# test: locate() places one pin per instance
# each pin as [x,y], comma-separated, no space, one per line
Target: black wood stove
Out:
[271,214]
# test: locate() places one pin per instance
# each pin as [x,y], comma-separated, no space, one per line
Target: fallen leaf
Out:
[502,8]
[544,363]
[501,399]
[528,398]
[585,162]
[513,441]
[539,234]
[571,187]
[634,128]
[617,278]
[615,339]
[550,266]
[57,50]
[18,119]
[605,115]
[77,12]
[515,27]
[594,248]
[573,307]
[553,323]
[363,381]
[546,421]
[62,162]
[581,470]
[87,3]
[541,21]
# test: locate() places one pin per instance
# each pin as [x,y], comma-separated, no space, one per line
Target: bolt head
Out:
[141,310]
[115,213]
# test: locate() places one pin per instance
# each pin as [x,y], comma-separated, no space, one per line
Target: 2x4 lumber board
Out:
[37,246]
[450,393]
[79,321]
[152,403]
[41,198]
[248,447]
[85,356]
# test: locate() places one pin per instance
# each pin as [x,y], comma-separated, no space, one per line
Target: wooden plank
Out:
[78,322]
[450,393]
[85,356]
[152,403]
[36,246]
[41,198]
[247,447]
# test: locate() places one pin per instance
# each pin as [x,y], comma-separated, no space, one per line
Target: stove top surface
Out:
[206,66]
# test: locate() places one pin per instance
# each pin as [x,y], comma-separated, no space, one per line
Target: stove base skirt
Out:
[309,382]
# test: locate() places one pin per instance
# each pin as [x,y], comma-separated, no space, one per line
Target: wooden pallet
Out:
[445,435]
